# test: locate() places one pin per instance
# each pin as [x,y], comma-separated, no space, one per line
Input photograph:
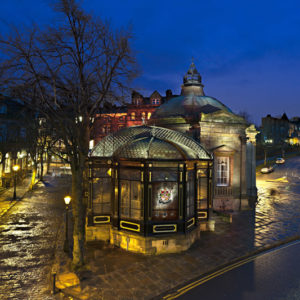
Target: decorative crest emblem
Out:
[165,196]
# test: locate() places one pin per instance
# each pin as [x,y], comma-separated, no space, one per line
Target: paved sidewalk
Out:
[6,195]
[112,273]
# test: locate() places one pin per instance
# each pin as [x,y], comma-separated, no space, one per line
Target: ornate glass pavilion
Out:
[149,189]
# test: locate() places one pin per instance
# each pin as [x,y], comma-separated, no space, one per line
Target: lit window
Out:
[143,115]
[91,145]
[137,101]
[155,101]
[149,115]
[133,116]
[222,171]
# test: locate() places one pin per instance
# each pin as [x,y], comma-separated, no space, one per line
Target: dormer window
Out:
[155,101]
[137,101]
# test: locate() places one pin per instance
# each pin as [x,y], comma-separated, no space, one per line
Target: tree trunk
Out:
[33,176]
[2,169]
[78,216]
[48,162]
[42,166]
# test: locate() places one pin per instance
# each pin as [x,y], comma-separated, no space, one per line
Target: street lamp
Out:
[16,169]
[67,200]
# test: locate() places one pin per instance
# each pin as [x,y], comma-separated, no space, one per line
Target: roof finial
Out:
[192,76]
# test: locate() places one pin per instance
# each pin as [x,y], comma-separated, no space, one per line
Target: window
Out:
[155,101]
[132,116]
[107,129]
[131,194]
[222,171]
[91,144]
[190,190]
[149,115]
[143,115]
[164,194]
[202,189]
[102,192]
[136,101]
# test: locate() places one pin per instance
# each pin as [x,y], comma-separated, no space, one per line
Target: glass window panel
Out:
[130,174]
[164,175]
[165,165]
[102,196]
[101,172]
[222,171]
[190,189]
[125,198]
[131,199]
[202,193]
[165,201]
[136,200]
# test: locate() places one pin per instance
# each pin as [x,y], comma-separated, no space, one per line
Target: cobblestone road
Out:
[27,240]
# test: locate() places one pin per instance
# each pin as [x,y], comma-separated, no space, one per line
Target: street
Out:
[277,216]
[274,275]
[27,240]
[278,209]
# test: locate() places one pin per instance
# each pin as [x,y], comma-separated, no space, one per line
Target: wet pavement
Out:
[113,273]
[30,229]
[28,232]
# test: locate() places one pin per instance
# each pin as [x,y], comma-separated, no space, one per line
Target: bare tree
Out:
[245,115]
[67,72]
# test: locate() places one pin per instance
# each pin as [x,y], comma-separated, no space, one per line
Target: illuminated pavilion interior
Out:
[149,190]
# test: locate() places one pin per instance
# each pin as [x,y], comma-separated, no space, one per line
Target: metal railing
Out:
[223,191]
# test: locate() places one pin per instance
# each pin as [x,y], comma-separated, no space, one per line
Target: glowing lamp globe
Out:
[67,200]
[16,168]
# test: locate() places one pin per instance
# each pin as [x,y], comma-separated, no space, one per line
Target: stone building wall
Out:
[224,135]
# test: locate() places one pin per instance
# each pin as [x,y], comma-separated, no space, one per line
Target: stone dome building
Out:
[226,135]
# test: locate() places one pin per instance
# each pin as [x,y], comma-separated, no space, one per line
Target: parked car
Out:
[267,170]
[280,160]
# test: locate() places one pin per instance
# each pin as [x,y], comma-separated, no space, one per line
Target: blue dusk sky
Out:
[247,52]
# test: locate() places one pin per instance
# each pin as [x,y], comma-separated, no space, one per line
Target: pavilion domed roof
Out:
[149,142]
[190,103]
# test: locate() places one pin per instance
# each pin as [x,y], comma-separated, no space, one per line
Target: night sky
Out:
[247,52]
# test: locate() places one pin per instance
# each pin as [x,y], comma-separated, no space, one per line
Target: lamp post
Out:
[15,168]
[67,200]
